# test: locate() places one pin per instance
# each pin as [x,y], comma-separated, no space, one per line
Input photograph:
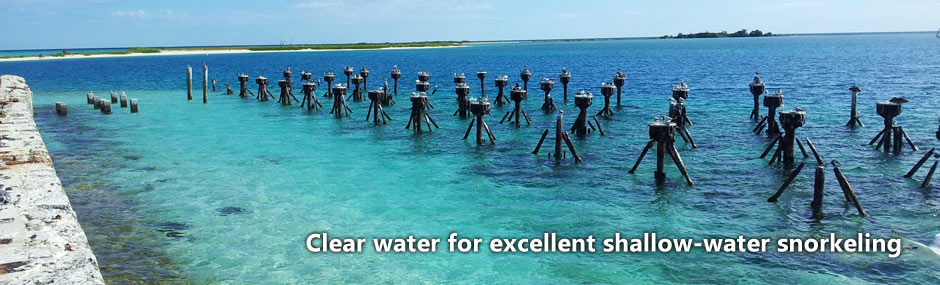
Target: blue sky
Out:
[117,23]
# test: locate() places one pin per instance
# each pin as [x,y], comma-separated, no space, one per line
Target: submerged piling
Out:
[525,75]
[133,105]
[375,107]
[889,110]
[105,107]
[91,97]
[61,109]
[328,77]
[560,137]
[854,115]
[501,82]
[565,78]
[339,101]
[619,80]
[583,101]
[189,82]
[819,186]
[480,107]
[123,100]
[517,95]
[396,74]
[772,102]
[205,83]
[463,104]
[419,117]
[607,89]
[243,90]
[114,97]
[547,84]
[310,96]
[757,88]
[662,135]
[482,75]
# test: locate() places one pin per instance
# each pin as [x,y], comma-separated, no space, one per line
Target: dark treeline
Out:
[743,33]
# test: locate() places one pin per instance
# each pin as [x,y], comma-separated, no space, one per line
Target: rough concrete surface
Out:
[41,241]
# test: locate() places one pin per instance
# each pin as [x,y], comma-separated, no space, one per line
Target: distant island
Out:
[743,33]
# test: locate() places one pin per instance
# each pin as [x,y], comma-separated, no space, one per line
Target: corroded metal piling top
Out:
[662,130]
[396,74]
[422,86]
[261,80]
[309,86]
[620,79]
[459,78]
[792,119]
[282,83]
[479,106]
[774,101]
[888,109]
[481,74]
[305,76]
[681,90]
[525,74]
[547,84]
[855,89]
[757,87]
[583,99]
[517,94]
[364,72]
[377,95]
[242,78]
[424,76]
[328,76]
[419,97]
[502,81]
[348,70]
[356,79]
[463,89]
[339,89]
[565,76]
[607,89]
[287,73]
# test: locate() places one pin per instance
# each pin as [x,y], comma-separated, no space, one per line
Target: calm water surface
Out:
[228,191]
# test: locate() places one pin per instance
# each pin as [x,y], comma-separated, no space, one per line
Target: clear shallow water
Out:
[148,187]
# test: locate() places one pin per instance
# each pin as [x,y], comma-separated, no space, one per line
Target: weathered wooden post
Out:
[419,101]
[517,95]
[106,107]
[396,74]
[97,103]
[205,83]
[310,96]
[228,89]
[375,107]
[123,100]
[114,97]
[61,109]
[525,75]
[846,187]
[607,89]
[819,185]
[480,107]
[91,97]
[565,78]
[482,75]
[853,117]
[328,77]
[547,84]
[757,88]
[213,85]
[463,104]
[619,80]
[662,134]
[133,105]
[339,101]
[243,92]
[889,110]
[582,100]
[364,73]
[189,82]
[263,92]
[501,82]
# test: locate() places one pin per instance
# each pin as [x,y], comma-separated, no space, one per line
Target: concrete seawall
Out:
[41,240]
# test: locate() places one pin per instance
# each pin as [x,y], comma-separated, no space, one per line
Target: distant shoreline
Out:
[204,51]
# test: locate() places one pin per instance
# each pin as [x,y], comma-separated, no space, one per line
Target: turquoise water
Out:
[151,189]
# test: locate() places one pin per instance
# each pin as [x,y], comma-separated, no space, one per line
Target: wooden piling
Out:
[114,97]
[205,83]
[773,199]
[812,148]
[189,82]
[819,185]
[847,189]
[105,107]
[933,169]
[133,105]
[123,100]
[920,163]
[61,109]
[91,97]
